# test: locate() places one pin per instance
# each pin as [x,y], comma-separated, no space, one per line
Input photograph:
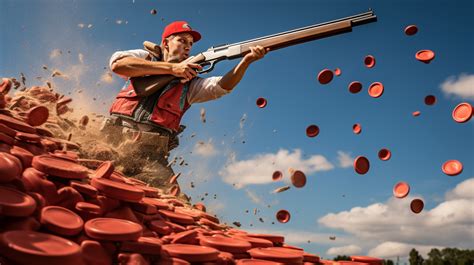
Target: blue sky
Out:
[358,209]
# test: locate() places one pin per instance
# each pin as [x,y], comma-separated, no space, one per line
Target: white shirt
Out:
[200,89]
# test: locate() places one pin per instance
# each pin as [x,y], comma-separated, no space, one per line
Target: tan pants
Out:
[147,141]
[143,155]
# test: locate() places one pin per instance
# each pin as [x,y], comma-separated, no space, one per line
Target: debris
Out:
[261,102]
[312,130]
[281,189]
[411,30]
[16,84]
[369,61]
[203,115]
[242,120]
[84,120]
[325,76]
[283,216]
[298,178]
[277,175]
[23,79]
[56,73]
[425,56]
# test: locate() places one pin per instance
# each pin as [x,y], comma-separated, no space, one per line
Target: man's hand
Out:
[185,70]
[233,77]
[256,53]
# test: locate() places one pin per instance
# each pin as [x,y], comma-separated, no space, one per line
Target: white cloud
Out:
[107,78]
[214,207]
[345,159]
[242,121]
[64,69]
[205,149]
[80,56]
[70,76]
[259,169]
[462,87]
[391,250]
[450,223]
[201,158]
[73,72]
[201,171]
[76,73]
[55,53]
[344,250]
[464,190]
[254,197]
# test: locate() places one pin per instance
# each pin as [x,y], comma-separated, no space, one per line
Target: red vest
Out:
[164,109]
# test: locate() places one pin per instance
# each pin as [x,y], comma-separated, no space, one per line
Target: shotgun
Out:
[147,85]
[152,48]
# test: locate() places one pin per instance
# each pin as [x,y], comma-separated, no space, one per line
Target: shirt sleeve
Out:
[205,89]
[138,53]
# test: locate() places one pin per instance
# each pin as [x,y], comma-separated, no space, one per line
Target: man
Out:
[156,118]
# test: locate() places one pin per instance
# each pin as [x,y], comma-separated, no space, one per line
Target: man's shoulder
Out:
[137,53]
[133,53]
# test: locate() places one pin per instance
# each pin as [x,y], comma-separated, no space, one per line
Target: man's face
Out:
[179,46]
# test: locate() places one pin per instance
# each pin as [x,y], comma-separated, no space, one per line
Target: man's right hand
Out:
[185,70]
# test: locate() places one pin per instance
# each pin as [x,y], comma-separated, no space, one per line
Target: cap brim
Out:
[196,35]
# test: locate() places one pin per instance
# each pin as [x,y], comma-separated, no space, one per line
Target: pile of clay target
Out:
[59,208]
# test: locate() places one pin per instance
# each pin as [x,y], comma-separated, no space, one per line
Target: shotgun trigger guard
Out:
[210,68]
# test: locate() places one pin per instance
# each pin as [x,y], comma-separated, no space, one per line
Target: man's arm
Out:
[133,67]
[233,77]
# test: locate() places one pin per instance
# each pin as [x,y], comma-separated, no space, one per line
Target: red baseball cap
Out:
[179,27]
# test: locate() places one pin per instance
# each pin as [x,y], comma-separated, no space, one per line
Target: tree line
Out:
[445,256]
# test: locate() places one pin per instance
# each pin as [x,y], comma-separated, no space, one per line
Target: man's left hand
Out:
[256,53]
